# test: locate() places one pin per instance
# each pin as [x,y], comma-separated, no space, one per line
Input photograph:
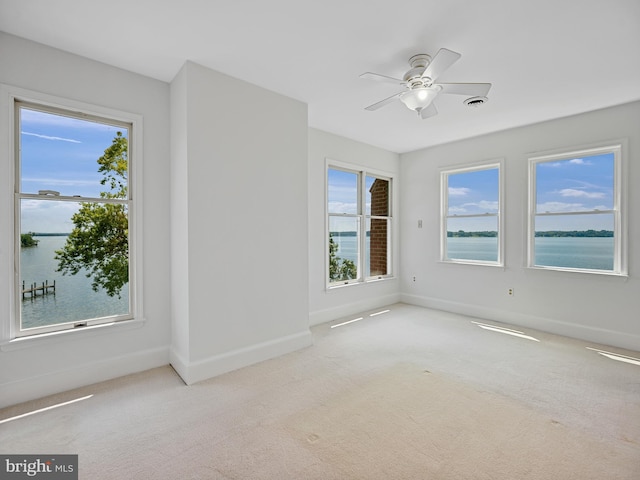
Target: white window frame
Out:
[445,172]
[619,211]
[362,217]
[10,333]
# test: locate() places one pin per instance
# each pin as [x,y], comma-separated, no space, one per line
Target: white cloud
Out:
[553,207]
[488,205]
[482,205]
[60,182]
[459,210]
[458,192]
[44,216]
[580,161]
[49,137]
[562,163]
[341,207]
[571,192]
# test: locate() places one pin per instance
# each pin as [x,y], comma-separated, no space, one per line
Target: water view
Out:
[594,253]
[74,299]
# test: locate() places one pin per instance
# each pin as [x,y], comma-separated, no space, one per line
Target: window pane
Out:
[472,238]
[61,153]
[344,241]
[473,193]
[342,192]
[575,185]
[575,241]
[564,237]
[46,226]
[377,196]
[376,247]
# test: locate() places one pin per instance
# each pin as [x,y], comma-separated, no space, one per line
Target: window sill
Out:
[332,288]
[573,271]
[471,262]
[65,335]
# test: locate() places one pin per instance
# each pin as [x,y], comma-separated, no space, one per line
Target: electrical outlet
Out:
[414,278]
[510,292]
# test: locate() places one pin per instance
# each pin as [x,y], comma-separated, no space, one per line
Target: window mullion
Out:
[362,225]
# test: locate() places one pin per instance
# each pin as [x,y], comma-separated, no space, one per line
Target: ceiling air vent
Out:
[475,101]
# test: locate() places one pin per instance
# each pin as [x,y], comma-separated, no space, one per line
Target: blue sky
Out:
[473,193]
[59,153]
[343,198]
[571,185]
[575,185]
[343,192]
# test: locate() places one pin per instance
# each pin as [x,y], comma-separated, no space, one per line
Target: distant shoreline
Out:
[490,234]
[547,234]
[50,234]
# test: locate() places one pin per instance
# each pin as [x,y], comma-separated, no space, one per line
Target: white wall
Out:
[75,360]
[242,163]
[325,305]
[238,274]
[593,307]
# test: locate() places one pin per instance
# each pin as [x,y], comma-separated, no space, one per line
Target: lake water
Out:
[74,300]
[575,252]
[569,252]
[595,253]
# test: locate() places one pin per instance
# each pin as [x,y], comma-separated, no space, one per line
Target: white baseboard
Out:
[572,330]
[192,372]
[329,314]
[81,375]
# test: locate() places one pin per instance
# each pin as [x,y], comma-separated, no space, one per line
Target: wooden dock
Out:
[34,289]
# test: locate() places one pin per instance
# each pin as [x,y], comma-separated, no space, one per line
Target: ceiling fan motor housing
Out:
[414,76]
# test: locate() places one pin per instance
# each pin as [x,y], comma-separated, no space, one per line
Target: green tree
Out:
[99,241]
[27,240]
[340,268]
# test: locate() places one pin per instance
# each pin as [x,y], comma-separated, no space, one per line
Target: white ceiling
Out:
[545,58]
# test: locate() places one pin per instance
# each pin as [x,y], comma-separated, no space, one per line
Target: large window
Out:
[471,215]
[575,220]
[74,236]
[359,226]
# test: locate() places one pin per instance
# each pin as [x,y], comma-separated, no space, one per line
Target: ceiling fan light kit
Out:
[419,98]
[421,89]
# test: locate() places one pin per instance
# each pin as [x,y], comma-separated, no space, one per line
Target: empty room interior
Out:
[332,240]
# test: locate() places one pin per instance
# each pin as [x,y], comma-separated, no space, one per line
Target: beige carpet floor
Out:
[410,393]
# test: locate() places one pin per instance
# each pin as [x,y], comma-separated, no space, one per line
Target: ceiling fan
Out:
[421,88]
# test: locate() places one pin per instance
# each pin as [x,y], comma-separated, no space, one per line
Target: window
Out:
[359,226]
[575,220]
[74,234]
[471,215]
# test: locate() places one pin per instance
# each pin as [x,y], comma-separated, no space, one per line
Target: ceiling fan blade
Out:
[384,102]
[468,89]
[443,60]
[382,78]
[428,111]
